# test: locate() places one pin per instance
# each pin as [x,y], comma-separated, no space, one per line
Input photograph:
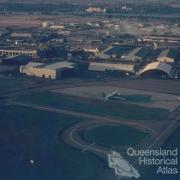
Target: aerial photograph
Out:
[89,89]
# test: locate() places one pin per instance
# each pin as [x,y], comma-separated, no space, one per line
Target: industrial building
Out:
[137,54]
[21,35]
[91,50]
[161,39]
[95,10]
[51,71]
[94,66]
[114,51]
[130,53]
[16,52]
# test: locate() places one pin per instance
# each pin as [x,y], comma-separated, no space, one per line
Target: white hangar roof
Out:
[161,66]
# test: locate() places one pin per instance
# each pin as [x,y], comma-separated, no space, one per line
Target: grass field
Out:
[138,98]
[12,84]
[113,136]
[174,140]
[27,134]
[96,107]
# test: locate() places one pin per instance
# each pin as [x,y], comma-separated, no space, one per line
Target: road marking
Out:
[88,147]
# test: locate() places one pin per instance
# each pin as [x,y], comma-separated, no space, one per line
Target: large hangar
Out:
[95,66]
[160,69]
[51,71]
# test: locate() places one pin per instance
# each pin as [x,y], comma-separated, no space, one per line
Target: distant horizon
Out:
[90,2]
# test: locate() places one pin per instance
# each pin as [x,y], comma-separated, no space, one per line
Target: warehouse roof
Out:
[120,49]
[52,66]
[110,66]
[167,53]
[58,65]
[33,64]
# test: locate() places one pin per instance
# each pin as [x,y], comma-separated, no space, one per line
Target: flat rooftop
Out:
[167,53]
[52,66]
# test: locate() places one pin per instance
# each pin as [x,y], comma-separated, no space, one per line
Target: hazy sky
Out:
[87,1]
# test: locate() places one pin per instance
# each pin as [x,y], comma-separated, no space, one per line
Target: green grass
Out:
[113,136]
[174,140]
[133,98]
[27,134]
[96,107]
[11,84]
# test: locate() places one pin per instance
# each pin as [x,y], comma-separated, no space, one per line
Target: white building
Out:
[95,10]
[21,35]
[91,50]
[56,27]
